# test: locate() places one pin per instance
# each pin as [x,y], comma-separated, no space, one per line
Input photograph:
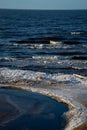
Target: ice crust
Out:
[31,75]
[73,85]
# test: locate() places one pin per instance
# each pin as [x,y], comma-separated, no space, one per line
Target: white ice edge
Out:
[79,113]
[32,75]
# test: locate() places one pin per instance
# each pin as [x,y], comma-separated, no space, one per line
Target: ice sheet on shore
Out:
[76,85]
[32,75]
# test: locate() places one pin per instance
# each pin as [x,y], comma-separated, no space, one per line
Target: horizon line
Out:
[38,9]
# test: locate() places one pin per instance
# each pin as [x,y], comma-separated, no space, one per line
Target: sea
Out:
[39,48]
[49,41]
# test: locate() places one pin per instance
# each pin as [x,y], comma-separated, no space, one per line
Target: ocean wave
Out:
[55,42]
[75,33]
[71,42]
[43,40]
[78,32]
[7,59]
[79,57]
[35,46]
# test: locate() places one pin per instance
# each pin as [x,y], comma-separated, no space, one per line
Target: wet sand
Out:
[82,127]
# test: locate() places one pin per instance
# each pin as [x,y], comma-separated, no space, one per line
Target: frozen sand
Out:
[70,89]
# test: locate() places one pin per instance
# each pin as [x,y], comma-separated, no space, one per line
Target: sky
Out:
[43,4]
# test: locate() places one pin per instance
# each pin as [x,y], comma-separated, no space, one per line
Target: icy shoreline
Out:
[77,114]
[64,88]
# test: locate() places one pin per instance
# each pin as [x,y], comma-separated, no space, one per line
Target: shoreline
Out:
[76,116]
[82,127]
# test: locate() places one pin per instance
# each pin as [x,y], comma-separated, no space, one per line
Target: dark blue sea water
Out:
[29,111]
[25,37]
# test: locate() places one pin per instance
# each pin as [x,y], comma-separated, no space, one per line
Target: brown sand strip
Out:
[82,127]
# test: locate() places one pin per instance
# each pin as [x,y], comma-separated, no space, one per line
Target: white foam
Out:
[75,33]
[7,59]
[35,46]
[55,42]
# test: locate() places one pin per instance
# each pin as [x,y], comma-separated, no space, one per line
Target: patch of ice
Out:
[32,75]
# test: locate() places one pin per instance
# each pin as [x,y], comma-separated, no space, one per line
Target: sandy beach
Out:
[82,127]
